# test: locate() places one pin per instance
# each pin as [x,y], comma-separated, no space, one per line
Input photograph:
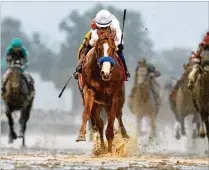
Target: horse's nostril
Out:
[102,72]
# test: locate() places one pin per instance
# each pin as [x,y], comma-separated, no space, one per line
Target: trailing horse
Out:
[181,104]
[201,91]
[17,97]
[142,101]
[103,86]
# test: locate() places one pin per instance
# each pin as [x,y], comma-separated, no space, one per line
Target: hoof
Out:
[125,135]
[202,133]
[12,137]
[80,138]
[10,140]
[21,135]
[23,147]
[103,147]
[183,133]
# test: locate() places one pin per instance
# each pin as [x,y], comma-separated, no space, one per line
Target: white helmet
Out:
[103,18]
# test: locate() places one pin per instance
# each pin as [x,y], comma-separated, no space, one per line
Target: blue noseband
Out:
[106,59]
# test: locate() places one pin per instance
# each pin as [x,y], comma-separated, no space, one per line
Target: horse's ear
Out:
[185,66]
[99,33]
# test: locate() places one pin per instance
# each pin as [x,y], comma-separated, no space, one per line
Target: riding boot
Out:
[120,54]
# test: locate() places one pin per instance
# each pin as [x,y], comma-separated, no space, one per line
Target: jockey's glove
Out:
[89,46]
[120,47]
[79,68]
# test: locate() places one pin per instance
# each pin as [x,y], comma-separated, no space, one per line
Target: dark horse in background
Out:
[17,97]
[200,91]
[103,81]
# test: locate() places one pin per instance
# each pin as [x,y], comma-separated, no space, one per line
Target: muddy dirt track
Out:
[58,151]
[84,158]
[71,161]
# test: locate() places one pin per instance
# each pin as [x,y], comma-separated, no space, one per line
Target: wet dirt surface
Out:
[44,160]
[17,158]
[51,151]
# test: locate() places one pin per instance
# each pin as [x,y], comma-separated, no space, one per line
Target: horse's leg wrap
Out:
[193,75]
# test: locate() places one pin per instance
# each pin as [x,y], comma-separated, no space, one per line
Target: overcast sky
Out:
[170,24]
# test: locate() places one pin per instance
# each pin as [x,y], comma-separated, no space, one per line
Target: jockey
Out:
[196,55]
[151,68]
[17,49]
[106,21]
[196,59]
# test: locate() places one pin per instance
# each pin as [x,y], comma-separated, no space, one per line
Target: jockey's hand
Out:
[120,47]
[79,69]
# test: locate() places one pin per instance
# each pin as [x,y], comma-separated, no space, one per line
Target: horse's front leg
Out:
[89,97]
[25,115]
[112,110]
[196,125]
[12,134]
[122,127]
[202,132]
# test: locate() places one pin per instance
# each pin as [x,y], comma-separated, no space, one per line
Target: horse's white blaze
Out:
[142,73]
[106,47]
[106,66]
[191,76]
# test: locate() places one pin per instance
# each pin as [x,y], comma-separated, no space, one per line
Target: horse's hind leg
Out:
[178,126]
[112,111]
[183,131]
[122,127]
[202,127]
[12,134]
[92,127]
[153,121]
[196,126]
[100,124]
[25,114]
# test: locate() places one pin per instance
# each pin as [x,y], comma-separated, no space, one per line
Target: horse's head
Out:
[205,59]
[142,73]
[106,51]
[15,73]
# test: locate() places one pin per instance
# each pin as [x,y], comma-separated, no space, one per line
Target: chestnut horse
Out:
[103,82]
